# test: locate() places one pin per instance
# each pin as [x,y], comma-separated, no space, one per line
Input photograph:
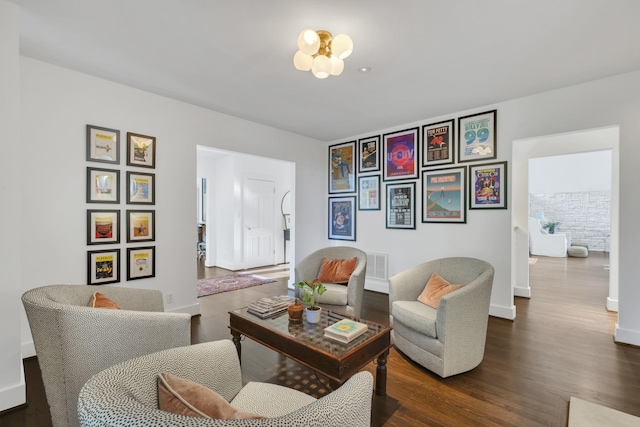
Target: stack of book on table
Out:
[270,306]
[346,330]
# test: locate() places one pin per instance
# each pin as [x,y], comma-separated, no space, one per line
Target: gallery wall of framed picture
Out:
[105,224]
[447,159]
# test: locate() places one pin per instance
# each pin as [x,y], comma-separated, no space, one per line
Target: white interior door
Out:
[258,208]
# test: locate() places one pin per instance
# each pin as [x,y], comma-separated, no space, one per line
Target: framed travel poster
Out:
[141,226]
[141,188]
[141,263]
[342,172]
[400,155]
[103,227]
[488,186]
[103,267]
[477,136]
[103,145]
[401,205]
[438,144]
[369,193]
[141,150]
[369,149]
[443,195]
[342,218]
[103,185]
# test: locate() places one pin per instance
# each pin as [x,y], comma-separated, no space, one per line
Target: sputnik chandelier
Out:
[321,53]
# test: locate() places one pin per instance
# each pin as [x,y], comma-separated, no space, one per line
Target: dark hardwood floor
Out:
[560,345]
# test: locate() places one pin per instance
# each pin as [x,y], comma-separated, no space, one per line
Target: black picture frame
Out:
[103,267]
[478,137]
[342,218]
[342,168]
[488,186]
[141,150]
[401,205]
[438,144]
[141,188]
[141,263]
[103,226]
[103,185]
[401,154]
[103,145]
[369,193]
[369,154]
[141,226]
[444,196]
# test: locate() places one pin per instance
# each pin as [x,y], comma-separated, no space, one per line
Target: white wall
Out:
[12,386]
[488,233]
[572,173]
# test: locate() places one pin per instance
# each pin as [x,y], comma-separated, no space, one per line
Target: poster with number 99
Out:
[477,137]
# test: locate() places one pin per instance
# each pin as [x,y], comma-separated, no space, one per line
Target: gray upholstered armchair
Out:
[343,298]
[127,394]
[74,341]
[450,339]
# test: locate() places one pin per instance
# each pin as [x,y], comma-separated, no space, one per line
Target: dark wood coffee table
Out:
[305,343]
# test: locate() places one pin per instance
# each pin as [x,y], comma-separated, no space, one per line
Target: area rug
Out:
[533,261]
[587,414]
[231,282]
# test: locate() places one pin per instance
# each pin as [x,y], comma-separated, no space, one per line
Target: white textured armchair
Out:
[450,339]
[127,394]
[74,341]
[544,244]
[343,298]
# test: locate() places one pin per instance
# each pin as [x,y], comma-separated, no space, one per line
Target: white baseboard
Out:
[626,336]
[612,304]
[27,349]
[13,396]
[376,285]
[522,292]
[193,309]
[503,312]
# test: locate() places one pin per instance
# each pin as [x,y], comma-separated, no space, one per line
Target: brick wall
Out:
[586,215]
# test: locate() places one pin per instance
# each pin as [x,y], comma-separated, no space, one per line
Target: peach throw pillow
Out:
[184,397]
[436,288]
[98,300]
[337,270]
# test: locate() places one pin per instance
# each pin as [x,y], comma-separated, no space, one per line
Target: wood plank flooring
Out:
[560,345]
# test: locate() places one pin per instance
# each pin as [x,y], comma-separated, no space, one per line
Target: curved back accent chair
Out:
[127,394]
[448,340]
[74,341]
[338,297]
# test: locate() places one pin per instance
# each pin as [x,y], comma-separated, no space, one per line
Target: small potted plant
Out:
[311,292]
[551,226]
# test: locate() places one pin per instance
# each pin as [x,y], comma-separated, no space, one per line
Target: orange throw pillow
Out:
[98,300]
[436,288]
[337,270]
[184,397]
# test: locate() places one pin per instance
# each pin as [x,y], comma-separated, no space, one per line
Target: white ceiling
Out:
[428,57]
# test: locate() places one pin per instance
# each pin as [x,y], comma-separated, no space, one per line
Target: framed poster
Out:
[103,227]
[103,145]
[443,195]
[369,149]
[141,150]
[103,267]
[488,186]
[401,205]
[342,218]
[103,185]
[141,226]
[141,263]
[438,143]
[400,155]
[477,136]
[141,188]
[369,193]
[342,174]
